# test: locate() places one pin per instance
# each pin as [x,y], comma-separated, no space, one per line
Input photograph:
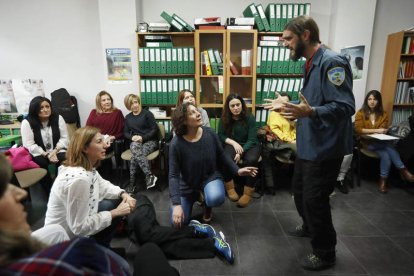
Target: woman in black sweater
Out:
[196,159]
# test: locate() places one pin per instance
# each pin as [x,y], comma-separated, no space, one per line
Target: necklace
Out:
[48,140]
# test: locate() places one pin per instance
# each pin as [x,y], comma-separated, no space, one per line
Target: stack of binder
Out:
[275,17]
[276,60]
[267,87]
[164,90]
[177,22]
[211,62]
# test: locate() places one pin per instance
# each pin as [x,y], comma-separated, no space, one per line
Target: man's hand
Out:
[275,104]
[294,111]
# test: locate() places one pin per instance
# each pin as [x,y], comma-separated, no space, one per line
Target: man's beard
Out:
[298,51]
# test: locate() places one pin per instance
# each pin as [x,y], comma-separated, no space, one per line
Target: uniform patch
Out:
[336,75]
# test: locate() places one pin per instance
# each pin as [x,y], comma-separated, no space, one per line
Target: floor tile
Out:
[263,223]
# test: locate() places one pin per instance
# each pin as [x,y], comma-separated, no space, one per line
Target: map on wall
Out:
[16,94]
[118,61]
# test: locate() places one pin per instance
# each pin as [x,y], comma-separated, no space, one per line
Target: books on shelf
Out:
[239,27]
[246,61]
[207,21]
[233,68]
[163,90]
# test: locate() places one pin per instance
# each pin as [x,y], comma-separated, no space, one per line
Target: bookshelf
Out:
[398,76]
[275,72]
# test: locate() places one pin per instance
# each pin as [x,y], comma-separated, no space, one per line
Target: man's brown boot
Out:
[407,175]
[382,185]
[231,192]
[246,197]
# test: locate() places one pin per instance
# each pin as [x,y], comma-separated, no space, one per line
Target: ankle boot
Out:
[407,175]
[246,197]
[231,192]
[382,185]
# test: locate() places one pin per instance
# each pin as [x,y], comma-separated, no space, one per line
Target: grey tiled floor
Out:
[375,234]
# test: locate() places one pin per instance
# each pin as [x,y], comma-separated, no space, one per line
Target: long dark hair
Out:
[378,110]
[34,109]
[227,116]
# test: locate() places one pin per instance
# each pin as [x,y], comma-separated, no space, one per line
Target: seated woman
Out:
[196,161]
[81,201]
[110,121]
[186,96]
[45,135]
[23,254]
[282,130]
[371,119]
[238,133]
[141,130]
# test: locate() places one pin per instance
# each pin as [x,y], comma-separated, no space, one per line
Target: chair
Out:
[127,154]
[361,151]
[29,177]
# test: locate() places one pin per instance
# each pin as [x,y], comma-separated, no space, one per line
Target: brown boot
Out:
[246,197]
[407,175]
[231,192]
[382,185]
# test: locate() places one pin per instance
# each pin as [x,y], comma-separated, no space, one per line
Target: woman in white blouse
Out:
[45,135]
[81,201]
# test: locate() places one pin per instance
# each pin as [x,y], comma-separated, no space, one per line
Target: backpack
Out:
[66,106]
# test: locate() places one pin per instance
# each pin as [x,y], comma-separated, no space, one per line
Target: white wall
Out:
[57,41]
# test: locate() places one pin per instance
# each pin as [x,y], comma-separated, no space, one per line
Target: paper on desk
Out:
[383,137]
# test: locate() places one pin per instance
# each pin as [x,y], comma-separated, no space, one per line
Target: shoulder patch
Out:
[336,75]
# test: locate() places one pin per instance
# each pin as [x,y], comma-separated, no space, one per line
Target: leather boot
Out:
[246,197]
[231,192]
[382,185]
[407,175]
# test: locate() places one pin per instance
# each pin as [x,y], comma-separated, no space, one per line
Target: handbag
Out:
[20,159]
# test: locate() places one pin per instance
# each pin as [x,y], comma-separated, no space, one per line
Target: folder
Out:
[263,63]
[289,12]
[269,60]
[279,85]
[142,92]
[141,61]
[180,84]
[174,23]
[146,61]
[271,15]
[275,59]
[213,62]
[245,62]
[183,23]
[207,62]
[158,93]
[273,86]
[266,87]
[290,88]
[170,91]
[157,61]
[283,17]
[191,62]
[153,91]
[175,90]
[259,60]
[301,9]
[286,61]
[152,61]
[185,60]
[291,65]
[180,61]
[163,61]
[159,44]
[259,98]
[258,116]
[219,61]
[251,11]
[263,17]
[278,19]
[164,91]
[174,63]
[307,9]
[295,10]
[168,57]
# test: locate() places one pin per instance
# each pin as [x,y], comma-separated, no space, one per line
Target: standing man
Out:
[324,135]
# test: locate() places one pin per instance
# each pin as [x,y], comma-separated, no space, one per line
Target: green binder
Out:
[180,60]
[174,63]
[163,61]
[251,11]
[183,23]
[152,61]
[174,23]
[213,62]
[185,60]
[263,17]
[142,91]
[168,57]
[271,15]
[191,61]
[269,60]
[259,60]
[141,61]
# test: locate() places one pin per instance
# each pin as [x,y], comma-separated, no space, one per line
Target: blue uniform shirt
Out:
[328,89]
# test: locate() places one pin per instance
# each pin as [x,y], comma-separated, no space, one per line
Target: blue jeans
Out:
[105,236]
[387,155]
[214,196]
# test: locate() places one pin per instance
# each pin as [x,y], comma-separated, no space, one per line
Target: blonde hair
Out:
[75,156]
[129,99]
[98,106]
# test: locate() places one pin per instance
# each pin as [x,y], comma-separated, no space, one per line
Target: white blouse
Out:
[46,133]
[74,198]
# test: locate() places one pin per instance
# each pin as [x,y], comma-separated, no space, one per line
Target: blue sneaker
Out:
[223,248]
[203,229]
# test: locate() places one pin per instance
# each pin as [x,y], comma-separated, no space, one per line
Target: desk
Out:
[12,129]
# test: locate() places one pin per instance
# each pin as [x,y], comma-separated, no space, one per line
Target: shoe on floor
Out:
[299,231]
[342,186]
[313,262]
[223,248]
[203,229]
[150,181]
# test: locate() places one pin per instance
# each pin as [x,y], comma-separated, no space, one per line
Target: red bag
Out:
[20,159]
